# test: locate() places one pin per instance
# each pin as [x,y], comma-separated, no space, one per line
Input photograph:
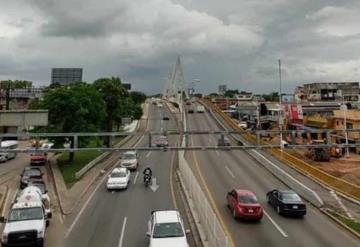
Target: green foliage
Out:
[273,96]
[15,84]
[138,97]
[231,93]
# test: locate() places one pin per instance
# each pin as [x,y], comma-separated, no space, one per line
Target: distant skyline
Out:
[233,42]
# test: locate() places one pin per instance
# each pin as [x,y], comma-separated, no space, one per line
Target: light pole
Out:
[344,110]
[280,112]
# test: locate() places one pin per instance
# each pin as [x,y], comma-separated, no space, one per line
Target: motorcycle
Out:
[147,180]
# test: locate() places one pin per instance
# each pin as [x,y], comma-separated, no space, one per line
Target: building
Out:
[65,76]
[222,89]
[352,122]
[328,91]
[244,96]
[21,97]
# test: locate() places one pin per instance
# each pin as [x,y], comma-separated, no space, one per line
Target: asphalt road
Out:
[120,218]
[221,171]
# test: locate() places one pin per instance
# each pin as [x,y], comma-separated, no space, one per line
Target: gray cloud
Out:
[231,41]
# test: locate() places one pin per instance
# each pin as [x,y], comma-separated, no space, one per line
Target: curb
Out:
[4,198]
[325,211]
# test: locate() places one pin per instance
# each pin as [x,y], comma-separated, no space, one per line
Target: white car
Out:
[119,178]
[129,160]
[166,228]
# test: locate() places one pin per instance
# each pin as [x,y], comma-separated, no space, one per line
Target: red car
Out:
[38,158]
[244,205]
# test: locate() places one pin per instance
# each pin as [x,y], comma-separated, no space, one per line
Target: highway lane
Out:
[224,170]
[120,218]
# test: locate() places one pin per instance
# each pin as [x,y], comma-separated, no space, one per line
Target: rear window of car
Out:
[129,156]
[118,174]
[168,230]
[290,197]
[32,172]
[248,199]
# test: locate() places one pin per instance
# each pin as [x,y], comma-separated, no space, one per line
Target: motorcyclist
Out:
[147,173]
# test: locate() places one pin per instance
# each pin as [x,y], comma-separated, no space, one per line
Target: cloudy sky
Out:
[236,42]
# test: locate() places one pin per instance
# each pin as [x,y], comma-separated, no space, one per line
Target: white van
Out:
[200,109]
[4,156]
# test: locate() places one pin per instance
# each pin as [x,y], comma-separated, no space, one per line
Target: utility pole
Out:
[344,109]
[280,112]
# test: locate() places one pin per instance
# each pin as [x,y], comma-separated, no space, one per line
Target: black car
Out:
[286,202]
[28,174]
[191,110]
[166,118]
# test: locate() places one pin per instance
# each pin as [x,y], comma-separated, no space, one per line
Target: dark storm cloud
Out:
[237,42]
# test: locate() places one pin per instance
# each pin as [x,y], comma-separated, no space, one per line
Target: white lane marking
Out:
[276,225]
[229,171]
[61,219]
[290,176]
[148,154]
[84,206]
[122,232]
[333,193]
[91,196]
[6,203]
[136,175]
[217,153]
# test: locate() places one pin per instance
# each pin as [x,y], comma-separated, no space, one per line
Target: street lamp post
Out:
[280,111]
[344,110]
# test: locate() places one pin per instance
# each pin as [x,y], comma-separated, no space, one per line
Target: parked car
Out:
[129,160]
[243,125]
[244,205]
[28,174]
[166,118]
[286,202]
[166,228]
[224,142]
[119,178]
[161,141]
[38,158]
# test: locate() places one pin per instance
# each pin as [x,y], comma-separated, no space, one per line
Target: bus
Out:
[4,156]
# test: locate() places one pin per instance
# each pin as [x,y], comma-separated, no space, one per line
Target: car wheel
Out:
[278,210]
[234,214]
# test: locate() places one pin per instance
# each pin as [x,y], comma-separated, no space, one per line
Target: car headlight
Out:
[40,234]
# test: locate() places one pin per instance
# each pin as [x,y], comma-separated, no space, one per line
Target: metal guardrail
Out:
[335,183]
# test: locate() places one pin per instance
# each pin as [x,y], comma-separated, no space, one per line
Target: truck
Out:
[200,109]
[27,220]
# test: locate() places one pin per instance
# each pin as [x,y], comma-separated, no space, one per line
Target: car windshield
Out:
[32,172]
[290,197]
[168,230]
[118,174]
[129,156]
[248,199]
[26,214]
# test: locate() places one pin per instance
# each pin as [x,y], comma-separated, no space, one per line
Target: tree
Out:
[231,93]
[78,107]
[138,97]
[112,92]
[273,96]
